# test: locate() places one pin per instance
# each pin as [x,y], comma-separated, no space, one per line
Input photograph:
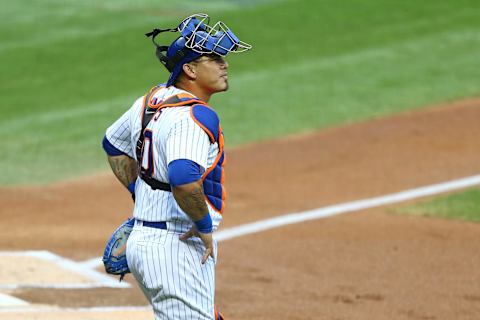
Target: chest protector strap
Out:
[207,119]
[150,108]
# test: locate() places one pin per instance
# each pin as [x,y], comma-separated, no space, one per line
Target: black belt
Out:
[155,184]
[156,225]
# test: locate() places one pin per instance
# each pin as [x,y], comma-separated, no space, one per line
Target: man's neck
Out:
[197,92]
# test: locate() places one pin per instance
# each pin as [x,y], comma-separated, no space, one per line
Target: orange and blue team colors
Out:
[169,127]
[163,264]
[205,117]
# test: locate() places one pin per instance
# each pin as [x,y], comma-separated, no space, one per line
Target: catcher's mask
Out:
[197,38]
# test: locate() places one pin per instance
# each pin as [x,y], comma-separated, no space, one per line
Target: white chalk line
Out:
[48,309]
[65,286]
[332,210]
[346,207]
[9,301]
[284,220]
[99,280]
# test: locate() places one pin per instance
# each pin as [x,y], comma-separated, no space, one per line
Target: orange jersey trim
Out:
[191,98]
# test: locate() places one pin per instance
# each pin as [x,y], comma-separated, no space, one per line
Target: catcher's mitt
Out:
[114,257]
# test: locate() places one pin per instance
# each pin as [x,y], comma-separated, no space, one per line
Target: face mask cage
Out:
[203,38]
[199,37]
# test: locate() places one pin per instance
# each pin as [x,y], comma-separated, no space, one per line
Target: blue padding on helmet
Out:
[197,38]
[202,41]
[110,149]
[220,43]
[189,55]
[191,25]
[225,42]
[183,171]
[208,118]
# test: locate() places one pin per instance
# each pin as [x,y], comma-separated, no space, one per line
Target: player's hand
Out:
[207,240]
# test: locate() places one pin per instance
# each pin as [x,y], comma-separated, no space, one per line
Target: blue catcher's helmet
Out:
[197,38]
[178,47]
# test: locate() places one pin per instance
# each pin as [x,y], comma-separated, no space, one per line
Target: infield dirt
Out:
[365,265]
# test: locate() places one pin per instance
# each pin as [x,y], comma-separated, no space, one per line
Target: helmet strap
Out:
[159,52]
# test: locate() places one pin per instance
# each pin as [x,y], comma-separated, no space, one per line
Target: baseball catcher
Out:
[168,150]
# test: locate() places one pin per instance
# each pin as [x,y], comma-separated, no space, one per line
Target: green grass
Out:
[69,68]
[463,206]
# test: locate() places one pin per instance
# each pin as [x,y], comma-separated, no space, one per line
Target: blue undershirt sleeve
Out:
[110,148]
[183,171]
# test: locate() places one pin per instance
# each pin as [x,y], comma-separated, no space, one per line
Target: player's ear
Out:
[190,71]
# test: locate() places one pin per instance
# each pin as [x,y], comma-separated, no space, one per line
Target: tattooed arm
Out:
[191,199]
[124,168]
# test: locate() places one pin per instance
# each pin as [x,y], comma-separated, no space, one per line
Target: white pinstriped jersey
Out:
[174,135]
[167,269]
